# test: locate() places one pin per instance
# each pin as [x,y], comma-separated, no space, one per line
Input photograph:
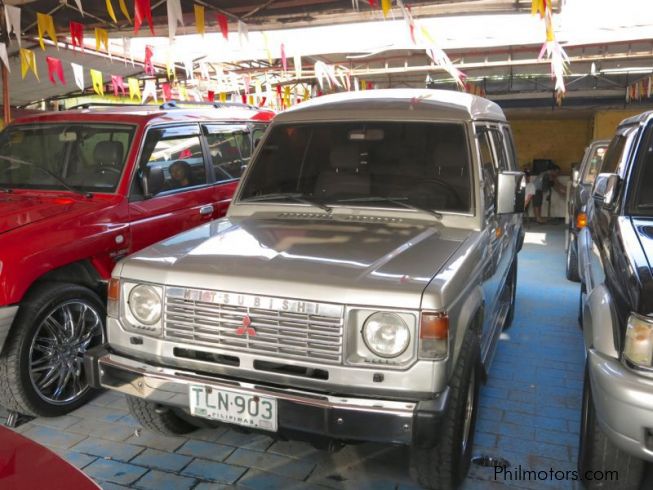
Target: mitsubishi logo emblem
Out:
[245,328]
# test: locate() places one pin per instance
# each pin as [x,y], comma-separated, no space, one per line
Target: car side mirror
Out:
[605,190]
[152,180]
[511,192]
[575,176]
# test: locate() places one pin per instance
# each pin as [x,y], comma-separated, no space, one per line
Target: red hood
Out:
[18,210]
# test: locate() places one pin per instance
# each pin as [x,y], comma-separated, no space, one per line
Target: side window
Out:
[488,167]
[172,159]
[257,134]
[614,154]
[510,144]
[503,164]
[230,149]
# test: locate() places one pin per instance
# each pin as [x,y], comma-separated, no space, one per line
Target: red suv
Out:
[79,190]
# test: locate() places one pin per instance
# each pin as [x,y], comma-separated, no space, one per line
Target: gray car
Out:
[355,291]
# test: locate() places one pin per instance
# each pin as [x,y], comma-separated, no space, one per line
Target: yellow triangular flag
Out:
[385,6]
[183,93]
[45,25]
[101,38]
[134,89]
[363,85]
[538,7]
[550,36]
[27,61]
[427,35]
[266,45]
[112,14]
[286,95]
[223,97]
[124,10]
[98,83]
[199,19]
[170,69]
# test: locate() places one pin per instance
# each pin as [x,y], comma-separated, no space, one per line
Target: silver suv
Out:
[355,291]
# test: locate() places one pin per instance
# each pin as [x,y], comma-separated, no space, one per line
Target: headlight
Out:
[638,347]
[145,304]
[386,334]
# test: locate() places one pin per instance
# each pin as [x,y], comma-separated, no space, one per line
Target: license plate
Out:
[234,407]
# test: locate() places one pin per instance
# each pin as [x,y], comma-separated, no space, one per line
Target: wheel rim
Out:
[469,412]
[57,351]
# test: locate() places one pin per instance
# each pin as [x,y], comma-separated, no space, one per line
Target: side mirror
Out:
[605,190]
[511,192]
[575,176]
[152,180]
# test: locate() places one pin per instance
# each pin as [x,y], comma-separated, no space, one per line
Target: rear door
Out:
[229,147]
[183,198]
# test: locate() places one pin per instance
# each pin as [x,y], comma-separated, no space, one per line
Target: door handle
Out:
[206,210]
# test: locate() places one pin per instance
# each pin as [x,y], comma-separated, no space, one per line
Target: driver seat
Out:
[108,154]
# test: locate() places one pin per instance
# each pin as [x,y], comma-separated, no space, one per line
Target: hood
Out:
[18,210]
[335,260]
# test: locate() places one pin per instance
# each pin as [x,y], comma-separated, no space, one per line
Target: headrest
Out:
[345,157]
[108,153]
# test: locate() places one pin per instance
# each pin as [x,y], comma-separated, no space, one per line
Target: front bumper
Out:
[7,315]
[624,404]
[349,419]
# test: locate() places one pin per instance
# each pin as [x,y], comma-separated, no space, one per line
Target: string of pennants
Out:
[639,90]
[328,77]
[551,49]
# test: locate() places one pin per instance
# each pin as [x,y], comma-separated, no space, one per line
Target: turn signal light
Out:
[581,220]
[113,297]
[434,335]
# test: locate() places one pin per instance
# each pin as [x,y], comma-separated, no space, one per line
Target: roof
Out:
[419,104]
[151,114]
[638,119]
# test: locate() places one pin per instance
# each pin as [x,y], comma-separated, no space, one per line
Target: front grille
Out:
[204,318]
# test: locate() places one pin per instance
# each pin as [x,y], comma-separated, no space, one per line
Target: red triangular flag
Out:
[148,66]
[55,68]
[118,84]
[167,92]
[211,96]
[77,34]
[224,25]
[372,3]
[284,62]
[142,11]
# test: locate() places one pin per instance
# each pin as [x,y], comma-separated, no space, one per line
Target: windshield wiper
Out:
[289,195]
[18,161]
[399,201]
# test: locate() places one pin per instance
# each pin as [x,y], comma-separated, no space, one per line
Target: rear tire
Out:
[597,453]
[445,466]
[572,262]
[511,284]
[158,418]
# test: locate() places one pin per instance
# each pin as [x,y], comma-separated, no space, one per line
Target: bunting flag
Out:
[3,56]
[55,67]
[199,19]
[372,3]
[27,62]
[188,67]
[243,33]
[45,24]
[167,92]
[441,59]
[110,11]
[148,66]
[284,63]
[357,84]
[175,16]
[408,17]
[143,11]
[204,71]
[324,71]
[78,72]
[134,89]
[559,63]
[98,83]
[183,93]
[101,39]
[118,85]
[149,90]
[77,35]
[297,61]
[127,49]
[170,68]
[210,96]
[354,5]
[224,25]
[266,46]
[385,6]
[79,6]
[12,16]
[539,7]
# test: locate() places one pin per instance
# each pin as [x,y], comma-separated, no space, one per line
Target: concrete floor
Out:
[529,415]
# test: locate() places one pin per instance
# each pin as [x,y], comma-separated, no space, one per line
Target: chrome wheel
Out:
[469,411]
[57,351]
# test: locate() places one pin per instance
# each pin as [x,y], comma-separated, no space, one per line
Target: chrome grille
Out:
[212,318]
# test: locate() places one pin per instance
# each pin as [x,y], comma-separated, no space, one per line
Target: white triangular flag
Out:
[3,55]
[204,70]
[12,15]
[78,72]
[243,32]
[149,90]
[356,84]
[354,4]
[127,49]
[188,66]
[297,60]
[175,16]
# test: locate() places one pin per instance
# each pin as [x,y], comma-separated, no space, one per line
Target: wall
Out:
[560,140]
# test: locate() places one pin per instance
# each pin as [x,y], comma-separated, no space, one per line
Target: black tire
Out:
[511,284]
[445,466]
[157,418]
[580,305]
[571,269]
[597,453]
[40,355]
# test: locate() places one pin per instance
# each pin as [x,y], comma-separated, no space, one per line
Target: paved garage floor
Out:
[530,410]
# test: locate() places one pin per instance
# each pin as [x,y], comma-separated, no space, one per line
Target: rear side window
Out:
[594,164]
[614,154]
[230,148]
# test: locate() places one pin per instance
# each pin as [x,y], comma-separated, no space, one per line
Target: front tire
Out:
[571,269]
[597,453]
[41,366]
[445,466]
[157,418]
[511,286]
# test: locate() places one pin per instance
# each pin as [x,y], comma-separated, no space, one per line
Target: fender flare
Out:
[599,322]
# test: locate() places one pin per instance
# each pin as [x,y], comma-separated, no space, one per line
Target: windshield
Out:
[82,157]
[594,164]
[377,164]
